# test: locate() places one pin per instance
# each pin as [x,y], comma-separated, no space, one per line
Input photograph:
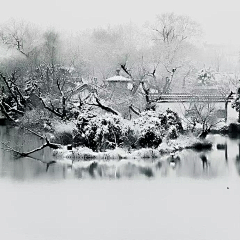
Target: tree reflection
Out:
[105,170]
[147,171]
[158,165]
[238,160]
[226,152]
[92,168]
[174,160]
[48,164]
[205,161]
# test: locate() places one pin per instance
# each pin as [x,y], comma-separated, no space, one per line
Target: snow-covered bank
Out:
[84,153]
[167,147]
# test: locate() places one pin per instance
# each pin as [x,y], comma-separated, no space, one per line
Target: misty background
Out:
[74,20]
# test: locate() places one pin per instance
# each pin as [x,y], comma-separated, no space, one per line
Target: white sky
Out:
[220,21]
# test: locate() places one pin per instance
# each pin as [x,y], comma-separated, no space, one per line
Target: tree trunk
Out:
[239,116]
[204,133]
[64,111]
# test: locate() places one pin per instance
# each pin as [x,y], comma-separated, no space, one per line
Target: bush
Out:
[150,139]
[63,138]
[110,131]
[171,118]
[172,132]
[151,127]
[102,132]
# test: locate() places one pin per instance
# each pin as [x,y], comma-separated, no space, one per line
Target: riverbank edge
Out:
[186,140]
[165,148]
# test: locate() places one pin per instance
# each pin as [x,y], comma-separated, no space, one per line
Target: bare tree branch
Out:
[99,104]
[5,112]
[25,154]
[133,109]
[126,70]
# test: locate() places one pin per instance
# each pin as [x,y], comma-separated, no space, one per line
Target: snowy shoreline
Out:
[165,148]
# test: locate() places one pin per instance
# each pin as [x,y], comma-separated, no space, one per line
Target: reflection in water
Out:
[121,169]
[42,165]
[205,161]
[48,164]
[226,152]
[174,160]
[237,162]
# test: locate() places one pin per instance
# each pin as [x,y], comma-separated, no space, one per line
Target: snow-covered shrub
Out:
[152,126]
[172,132]
[129,139]
[171,118]
[110,131]
[145,153]
[101,132]
[149,129]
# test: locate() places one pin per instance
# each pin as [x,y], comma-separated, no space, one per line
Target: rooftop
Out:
[118,78]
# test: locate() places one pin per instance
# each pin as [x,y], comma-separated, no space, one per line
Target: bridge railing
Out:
[188,97]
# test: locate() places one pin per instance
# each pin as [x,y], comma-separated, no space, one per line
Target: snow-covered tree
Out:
[203,113]
[205,77]
[236,103]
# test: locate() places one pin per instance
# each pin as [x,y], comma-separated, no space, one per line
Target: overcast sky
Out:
[220,21]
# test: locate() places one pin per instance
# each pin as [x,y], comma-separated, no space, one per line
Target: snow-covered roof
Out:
[80,88]
[118,78]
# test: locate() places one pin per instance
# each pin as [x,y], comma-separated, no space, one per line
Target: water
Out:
[219,163]
[128,200]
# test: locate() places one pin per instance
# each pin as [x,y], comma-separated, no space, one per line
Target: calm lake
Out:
[189,199]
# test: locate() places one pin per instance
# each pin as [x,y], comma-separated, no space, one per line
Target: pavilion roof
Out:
[118,78]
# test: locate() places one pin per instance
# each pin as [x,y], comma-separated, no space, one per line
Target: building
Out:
[119,81]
